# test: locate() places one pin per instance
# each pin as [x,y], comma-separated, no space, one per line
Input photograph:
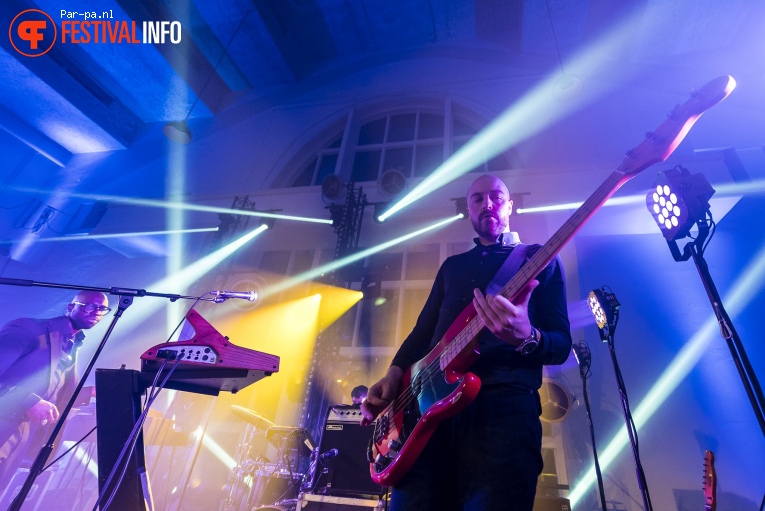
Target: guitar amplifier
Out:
[551,504]
[344,469]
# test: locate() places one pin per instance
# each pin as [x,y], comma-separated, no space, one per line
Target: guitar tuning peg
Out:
[650,135]
[630,153]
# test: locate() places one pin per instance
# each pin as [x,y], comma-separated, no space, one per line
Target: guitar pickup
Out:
[381,462]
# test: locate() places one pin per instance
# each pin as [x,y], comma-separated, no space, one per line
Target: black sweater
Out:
[499,362]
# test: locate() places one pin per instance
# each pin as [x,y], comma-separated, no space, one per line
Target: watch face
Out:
[529,347]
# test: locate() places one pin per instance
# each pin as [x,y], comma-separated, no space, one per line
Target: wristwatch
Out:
[529,344]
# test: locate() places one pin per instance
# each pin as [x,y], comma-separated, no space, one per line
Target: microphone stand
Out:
[126,296]
[583,355]
[695,250]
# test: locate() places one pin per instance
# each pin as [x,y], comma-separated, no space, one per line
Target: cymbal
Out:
[252,417]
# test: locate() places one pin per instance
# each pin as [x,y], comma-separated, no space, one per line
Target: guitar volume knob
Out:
[394,445]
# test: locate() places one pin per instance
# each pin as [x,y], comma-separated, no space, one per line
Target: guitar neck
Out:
[549,250]
[539,260]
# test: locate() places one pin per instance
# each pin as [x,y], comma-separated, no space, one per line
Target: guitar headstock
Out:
[659,144]
[710,482]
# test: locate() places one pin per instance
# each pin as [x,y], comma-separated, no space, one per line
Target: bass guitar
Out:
[439,385]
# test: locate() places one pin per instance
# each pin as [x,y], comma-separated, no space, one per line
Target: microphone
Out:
[329,454]
[222,296]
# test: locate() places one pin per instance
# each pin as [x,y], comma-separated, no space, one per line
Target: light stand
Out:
[678,202]
[125,300]
[605,309]
[584,357]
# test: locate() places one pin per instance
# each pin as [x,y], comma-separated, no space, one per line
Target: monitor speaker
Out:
[343,468]
[34,497]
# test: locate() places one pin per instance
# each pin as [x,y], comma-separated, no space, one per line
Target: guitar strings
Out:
[460,341]
[426,375]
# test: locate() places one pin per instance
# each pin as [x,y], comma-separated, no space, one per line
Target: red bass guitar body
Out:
[435,388]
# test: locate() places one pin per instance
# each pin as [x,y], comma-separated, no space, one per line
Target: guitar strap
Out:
[509,268]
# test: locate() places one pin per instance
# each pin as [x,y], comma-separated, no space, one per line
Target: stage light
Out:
[678,201]
[333,190]
[178,131]
[743,290]
[460,206]
[379,209]
[605,309]
[691,193]
[392,182]
[273,329]
[597,310]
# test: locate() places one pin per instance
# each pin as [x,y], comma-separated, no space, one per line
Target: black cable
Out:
[712,228]
[18,205]
[69,450]
[129,447]
[125,448]
[285,454]
[585,361]
[632,430]
[132,439]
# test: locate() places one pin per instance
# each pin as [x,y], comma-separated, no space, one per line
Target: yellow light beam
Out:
[335,302]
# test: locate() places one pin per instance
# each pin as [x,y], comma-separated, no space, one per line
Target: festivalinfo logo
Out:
[34,32]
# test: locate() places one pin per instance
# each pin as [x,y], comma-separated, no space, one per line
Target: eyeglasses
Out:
[91,307]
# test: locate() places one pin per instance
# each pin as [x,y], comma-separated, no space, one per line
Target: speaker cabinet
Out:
[551,504]
[119,404]
[347,471]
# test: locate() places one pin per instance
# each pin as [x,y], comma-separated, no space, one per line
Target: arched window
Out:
[413,140]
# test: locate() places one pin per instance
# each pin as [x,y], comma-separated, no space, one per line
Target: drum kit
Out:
[256,483]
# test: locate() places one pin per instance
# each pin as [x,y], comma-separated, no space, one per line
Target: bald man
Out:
[37,376]
[488,456]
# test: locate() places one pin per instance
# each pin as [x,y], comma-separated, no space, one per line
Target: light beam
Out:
[153,203]
[330,267]
[532,113]
[84,237]
[746,286]
[143,308]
